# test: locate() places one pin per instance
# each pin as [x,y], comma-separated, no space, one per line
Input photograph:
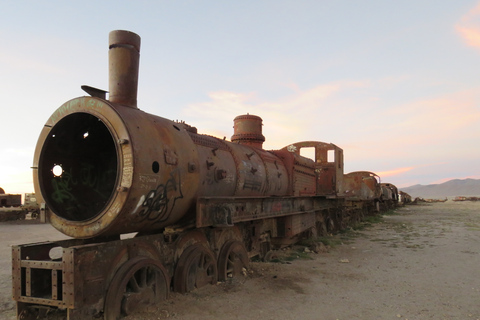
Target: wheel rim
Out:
[232,260]
[138,283]
[196,268]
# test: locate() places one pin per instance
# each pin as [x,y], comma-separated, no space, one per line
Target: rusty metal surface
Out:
[404,197]
[328,164]
[82,273]
[124,56]
[232,260]
[292,225]
[196,268]
[37,278]
[389,191]
[362,185]
[248,131]
[139,282]
[111,181]
[224,211]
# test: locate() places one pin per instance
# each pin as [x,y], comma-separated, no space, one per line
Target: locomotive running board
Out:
[226,211]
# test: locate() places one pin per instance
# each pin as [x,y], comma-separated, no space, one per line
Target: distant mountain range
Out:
[451,188]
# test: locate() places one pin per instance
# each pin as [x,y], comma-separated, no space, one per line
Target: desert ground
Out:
[421,262]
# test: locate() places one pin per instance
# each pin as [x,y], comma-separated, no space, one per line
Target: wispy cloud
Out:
[395,141]
[394,172]
[293,115]
[437,119]
[401,170]
[469,27]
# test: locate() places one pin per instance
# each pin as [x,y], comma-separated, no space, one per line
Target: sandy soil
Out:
[420,263]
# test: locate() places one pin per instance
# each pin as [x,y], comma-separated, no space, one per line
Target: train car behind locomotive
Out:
[200,206]
[10,200]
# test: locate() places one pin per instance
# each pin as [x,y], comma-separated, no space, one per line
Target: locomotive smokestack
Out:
[124,57]
[247,130]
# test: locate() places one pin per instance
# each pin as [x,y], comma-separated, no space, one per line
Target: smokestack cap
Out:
[124,38]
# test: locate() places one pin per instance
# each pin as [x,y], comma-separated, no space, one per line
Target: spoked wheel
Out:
[270,256]
[330,224]
[196,268]
[138,283]
[232,260]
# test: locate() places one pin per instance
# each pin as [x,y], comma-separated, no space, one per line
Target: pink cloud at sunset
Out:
[394,172]
[417,130]
[439,117]
[290,117]
[469,27]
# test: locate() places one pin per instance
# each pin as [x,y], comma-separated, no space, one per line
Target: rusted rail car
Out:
[200,207]
[8,200]
[10,206]
[404,197]
[390,196]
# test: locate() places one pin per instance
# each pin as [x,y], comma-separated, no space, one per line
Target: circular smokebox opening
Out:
[78,167]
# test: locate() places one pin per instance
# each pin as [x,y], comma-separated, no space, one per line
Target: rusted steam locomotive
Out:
[200,207]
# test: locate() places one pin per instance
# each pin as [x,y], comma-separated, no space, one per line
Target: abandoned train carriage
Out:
[390,196]
[404,198]
[200,206]
[10,200]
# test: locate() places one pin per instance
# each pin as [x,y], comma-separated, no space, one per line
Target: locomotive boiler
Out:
[199,207]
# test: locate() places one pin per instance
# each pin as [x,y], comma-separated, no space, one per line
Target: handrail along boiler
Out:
[200,206]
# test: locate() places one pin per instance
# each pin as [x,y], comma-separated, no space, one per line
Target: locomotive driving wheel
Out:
[196,268]
[232,260]
[139,282]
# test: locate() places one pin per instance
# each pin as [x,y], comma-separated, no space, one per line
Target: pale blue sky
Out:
[393,83]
